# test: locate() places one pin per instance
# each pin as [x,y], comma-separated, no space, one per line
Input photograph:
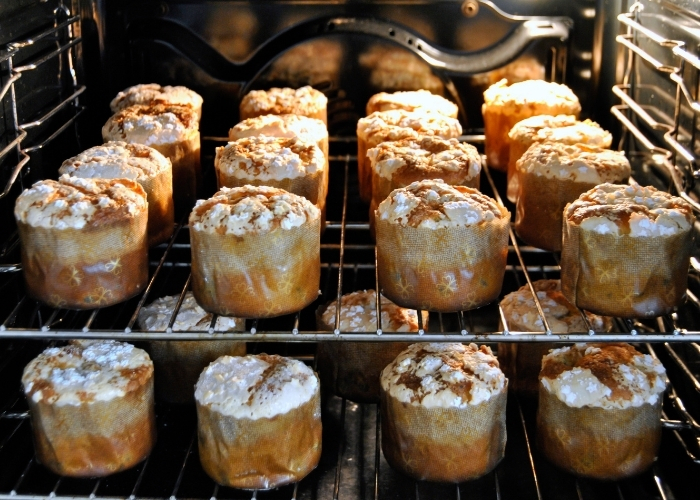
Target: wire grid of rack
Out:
[352,464]
[54,44]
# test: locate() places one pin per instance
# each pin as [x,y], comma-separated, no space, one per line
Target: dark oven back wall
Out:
[224,48]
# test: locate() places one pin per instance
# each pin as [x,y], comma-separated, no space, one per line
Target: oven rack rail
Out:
[50,325]
[682,177]
[65,34]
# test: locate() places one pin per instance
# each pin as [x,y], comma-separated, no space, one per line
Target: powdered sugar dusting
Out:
[190,317]
[358,313]
[251,209]
[546,94]
[444,375]
[639,211]
[303,127]
[72,202]
[433,204]
[146,93]
[594,375]
[412,100]
[302,101]
[152,124]
[255,387]
[79,373]
[267,158]
[116,159]
[397,124]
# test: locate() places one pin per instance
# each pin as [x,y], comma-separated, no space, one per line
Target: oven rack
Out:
[19,59]
[678,158]
[352,464]
[29,319]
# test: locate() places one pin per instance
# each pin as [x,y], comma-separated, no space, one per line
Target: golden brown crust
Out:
[97,438]
[597,442]
[443,444]
[260,453]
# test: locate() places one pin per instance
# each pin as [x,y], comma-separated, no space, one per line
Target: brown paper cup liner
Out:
[624,276]
[364,174]
[85,268]
[178,364]
[521,363]
[445,270]
[539,213]
[161,208]
[258,275]
[187,171]
[597,442]
[448,445]
[97,438]
[517,149]
[263,453]
[352,369]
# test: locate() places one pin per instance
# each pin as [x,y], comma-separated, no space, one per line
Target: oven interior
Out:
[634,66]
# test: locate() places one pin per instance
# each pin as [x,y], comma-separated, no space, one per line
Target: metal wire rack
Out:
[352,464]
[55,44]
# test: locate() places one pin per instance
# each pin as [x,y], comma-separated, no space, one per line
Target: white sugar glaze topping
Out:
[266,158]
[146,93]
[358,313]
[427,154]
[603,376]
[73,202]
[547,96]
[302,101]
[433,204]
[442,375]
[521,313]
[638,211]
[190,317]
[411,100]
[87,372]
[117,159]
[255,387]
[152,124]
[251,209]
[303,127]
[561,128]
[574,162]
[398,124]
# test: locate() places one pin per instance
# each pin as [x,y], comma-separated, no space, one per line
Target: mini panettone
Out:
[521,362]
[352,369]
[91,407]
[178,363]
[441,248]
[291,164]
[393,68]
[255,252]
[304,101]
[599,411]
[258,420]
[626,251]
[152,93]
[397,164]
[83,241]
[564,129]
[173,130]
[143,164]
[505,105]
[550,175]
[444,412]
[393,125]
[412,100]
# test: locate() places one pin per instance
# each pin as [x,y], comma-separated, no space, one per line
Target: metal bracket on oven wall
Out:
[525,30]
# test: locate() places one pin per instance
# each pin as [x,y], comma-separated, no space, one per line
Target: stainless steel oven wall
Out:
[350,49]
